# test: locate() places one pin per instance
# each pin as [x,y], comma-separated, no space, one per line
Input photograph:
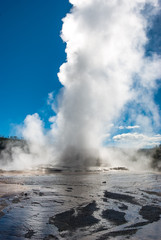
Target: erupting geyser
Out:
[105,60]
[106,74]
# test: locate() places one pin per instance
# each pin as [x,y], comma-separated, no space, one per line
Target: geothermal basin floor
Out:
[80,205]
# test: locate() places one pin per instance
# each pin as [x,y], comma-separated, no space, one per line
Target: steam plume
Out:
[107,72]
[106,68]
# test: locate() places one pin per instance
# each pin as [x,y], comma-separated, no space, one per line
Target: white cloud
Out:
[52,119]
[51,100]
[129,127]
[137,139]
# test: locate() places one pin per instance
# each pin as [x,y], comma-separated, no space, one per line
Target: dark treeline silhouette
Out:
[156,163]
[7,145]
[9,140]
[155,154]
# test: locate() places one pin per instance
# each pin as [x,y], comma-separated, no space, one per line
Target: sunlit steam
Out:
[107,74]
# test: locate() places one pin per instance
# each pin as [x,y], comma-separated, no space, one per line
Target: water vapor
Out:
[106,68]
[107,76]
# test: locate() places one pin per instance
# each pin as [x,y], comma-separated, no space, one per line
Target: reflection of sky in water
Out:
[150,232]
[56,193]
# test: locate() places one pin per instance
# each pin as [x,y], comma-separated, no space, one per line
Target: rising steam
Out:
[106,76]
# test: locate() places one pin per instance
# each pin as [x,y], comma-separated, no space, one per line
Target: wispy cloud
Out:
[138,139]
[129,127]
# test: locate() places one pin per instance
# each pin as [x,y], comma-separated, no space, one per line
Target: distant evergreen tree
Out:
[156,163]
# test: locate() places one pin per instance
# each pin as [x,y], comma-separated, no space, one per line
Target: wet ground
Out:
[80,205]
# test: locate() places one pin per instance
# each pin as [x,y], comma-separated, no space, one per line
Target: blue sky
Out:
[31,52]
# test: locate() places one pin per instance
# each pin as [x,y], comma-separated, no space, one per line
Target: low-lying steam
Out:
[107,76]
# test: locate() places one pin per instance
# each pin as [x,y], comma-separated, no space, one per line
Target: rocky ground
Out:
[96,205]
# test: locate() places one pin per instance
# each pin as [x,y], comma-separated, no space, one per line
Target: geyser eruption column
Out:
[105,43]
[106,68]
